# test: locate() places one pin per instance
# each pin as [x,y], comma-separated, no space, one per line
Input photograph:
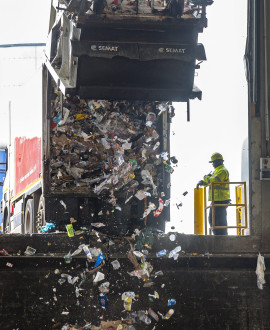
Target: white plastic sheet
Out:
[260,271]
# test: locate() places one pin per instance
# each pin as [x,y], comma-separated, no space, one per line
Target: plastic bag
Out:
[65,117]
[30,251]
[175,253]
[160,208]
[99,277]
[115,264]
[260,271]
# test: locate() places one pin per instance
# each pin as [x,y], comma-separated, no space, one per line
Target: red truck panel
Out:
[27,162]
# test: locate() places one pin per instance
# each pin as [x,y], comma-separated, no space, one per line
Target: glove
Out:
[200,183]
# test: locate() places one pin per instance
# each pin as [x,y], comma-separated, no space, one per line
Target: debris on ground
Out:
[30,251]
[260,271]
[104,281]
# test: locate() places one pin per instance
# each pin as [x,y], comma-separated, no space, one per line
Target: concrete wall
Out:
[259,146]
[212,291]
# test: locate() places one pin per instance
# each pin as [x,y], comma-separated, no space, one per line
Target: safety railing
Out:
[240,205]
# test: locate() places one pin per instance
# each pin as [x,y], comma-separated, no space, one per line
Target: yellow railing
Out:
[241,208]
[198,211]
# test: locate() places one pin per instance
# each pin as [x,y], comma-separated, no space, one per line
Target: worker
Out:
[221,192]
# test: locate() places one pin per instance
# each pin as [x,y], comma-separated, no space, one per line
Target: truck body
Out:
[26,168]
[102,152]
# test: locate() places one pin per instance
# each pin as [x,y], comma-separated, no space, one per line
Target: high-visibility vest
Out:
[221,191]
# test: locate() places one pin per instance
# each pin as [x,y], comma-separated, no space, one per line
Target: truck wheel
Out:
[28,217]
[40,215]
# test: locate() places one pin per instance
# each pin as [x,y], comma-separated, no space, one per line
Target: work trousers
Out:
[220,217]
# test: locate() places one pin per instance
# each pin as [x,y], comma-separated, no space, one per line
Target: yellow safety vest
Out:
[221,191]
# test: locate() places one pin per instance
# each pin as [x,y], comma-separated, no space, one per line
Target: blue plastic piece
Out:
[47,227]
[171,302]
[103,300]
[161,253]
[99,260]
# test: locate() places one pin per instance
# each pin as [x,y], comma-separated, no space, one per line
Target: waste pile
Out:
[116,293]
[110,149]
[161,7]
[179,9]
[103,281]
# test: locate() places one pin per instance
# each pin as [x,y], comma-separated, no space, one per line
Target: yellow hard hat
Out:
[216,156]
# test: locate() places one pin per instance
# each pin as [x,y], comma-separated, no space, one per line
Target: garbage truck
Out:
[102,155]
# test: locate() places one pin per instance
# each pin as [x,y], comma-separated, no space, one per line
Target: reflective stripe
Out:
[221,188]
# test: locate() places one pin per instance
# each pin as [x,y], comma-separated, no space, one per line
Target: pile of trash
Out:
[104,148]
[165,7]
[136,7]
[112,293]
[179,9]
[105,282]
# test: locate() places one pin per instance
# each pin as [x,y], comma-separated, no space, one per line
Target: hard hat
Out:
[216,156]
